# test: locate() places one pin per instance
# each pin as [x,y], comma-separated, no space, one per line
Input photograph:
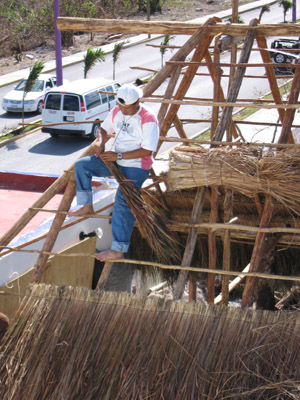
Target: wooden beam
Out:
[170,27]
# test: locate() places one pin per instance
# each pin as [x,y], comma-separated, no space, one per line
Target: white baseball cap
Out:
[129,94]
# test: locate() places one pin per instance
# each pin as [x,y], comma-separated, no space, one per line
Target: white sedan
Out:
[12,101]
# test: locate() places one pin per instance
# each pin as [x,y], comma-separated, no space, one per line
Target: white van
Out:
[78,100]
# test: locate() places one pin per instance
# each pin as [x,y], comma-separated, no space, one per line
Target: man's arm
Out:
[100,142]
[129,155]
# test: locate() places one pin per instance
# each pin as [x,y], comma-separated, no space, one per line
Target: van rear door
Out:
[63,107]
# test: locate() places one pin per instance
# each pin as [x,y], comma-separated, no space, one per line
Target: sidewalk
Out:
[78,57]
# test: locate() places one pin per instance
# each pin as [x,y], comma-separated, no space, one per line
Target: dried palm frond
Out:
[245,170]
[152,224]
[73,343]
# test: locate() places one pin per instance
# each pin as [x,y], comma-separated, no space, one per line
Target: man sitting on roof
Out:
[136,134]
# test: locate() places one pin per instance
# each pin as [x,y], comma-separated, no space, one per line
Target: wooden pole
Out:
[232,285]
[257,252]
[104,275]
[65,204]
[226,244]
[233,58]
[290,113]
[236,84]
[212,247]
[192,288]
[216,74]
[191,243]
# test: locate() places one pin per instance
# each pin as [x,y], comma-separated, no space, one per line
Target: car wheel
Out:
[94,131]
[54,135]
[39,107]
[279,58]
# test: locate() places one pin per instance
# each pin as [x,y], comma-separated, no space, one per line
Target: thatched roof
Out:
[246,170]
[72,343]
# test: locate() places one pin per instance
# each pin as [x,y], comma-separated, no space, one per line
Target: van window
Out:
[111,97]
[71,103]
[104,98]
[53,101]
[92,100]
[116,86]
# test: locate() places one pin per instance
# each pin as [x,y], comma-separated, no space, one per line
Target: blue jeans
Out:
[122,218]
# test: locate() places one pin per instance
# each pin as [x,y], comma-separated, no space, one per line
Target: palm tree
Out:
[286,4]
[264,9]
[90,59]
[118,47]
[30,81]
[162,50]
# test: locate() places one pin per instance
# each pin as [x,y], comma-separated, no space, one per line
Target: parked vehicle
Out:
[13,101]
[80,100]
[286,43]
[282,57]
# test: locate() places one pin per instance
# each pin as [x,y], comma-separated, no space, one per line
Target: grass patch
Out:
[5,137]
[179,3]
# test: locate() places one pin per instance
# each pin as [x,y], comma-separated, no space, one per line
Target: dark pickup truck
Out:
[285,52]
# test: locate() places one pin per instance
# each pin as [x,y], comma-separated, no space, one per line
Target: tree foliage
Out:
[90,58]
[118,47]
[30,81]
[286,5]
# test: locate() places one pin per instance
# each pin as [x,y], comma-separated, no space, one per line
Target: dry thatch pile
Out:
[151,222]
[246,170]
[68,343]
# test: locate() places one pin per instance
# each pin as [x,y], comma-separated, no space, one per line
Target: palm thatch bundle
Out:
[72,343]
[246,170]
[152,222]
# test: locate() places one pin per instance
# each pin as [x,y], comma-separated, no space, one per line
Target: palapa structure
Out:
[91,345]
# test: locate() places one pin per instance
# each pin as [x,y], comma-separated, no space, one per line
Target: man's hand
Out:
[109,156]
[98,148]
